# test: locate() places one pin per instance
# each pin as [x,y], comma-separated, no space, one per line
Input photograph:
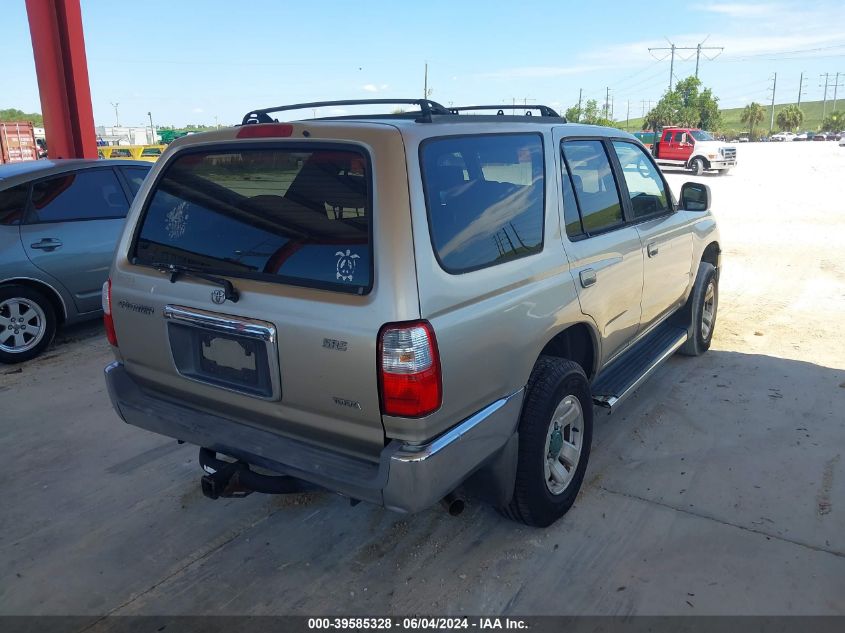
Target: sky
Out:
[211,61]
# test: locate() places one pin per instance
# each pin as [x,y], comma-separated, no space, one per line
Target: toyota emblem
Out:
[218,295]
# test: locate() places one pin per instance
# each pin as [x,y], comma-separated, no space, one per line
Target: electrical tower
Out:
[697,48]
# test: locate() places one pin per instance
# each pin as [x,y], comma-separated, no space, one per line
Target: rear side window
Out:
[594,185]
[134,177]
[13,204]
[84,195]
[485,198]
[298,216]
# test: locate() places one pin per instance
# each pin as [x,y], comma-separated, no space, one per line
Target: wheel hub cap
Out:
[22,324]
[564,442]
[708,311]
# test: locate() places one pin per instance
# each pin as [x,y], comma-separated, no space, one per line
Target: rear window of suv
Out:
[485,198]
[293,215]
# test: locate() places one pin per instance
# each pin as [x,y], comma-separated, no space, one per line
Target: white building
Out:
[126,135]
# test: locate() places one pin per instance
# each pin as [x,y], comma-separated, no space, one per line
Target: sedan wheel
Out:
[27,323]
[22,324]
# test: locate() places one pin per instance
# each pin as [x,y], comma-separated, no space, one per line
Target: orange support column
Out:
[58,46]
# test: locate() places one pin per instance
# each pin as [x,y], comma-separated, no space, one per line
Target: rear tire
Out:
[703,304]
[27,323]
[555,433]
[697,166]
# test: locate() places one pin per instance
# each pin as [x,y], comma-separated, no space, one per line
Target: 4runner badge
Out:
[218,296]
[346,264]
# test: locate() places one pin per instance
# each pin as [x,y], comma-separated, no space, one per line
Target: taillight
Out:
[265,130]
[409,370]
[111,335]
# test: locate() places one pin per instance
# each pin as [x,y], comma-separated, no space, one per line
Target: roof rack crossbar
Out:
[542,109]
[427,108]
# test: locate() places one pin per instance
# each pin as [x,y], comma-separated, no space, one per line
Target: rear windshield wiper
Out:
[174,270]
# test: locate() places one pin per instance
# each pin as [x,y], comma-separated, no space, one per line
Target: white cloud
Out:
[740,10]
[197,110]
[375,88]
[538,72]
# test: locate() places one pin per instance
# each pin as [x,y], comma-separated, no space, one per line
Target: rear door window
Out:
[594,184]
[84,195]
[291,215]
[485,198]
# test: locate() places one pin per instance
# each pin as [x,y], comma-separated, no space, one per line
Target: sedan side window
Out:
[84,195]
[646,187]
[135,177]
[592,179]
[12,204]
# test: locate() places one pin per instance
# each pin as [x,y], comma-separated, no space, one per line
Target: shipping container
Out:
[17,142]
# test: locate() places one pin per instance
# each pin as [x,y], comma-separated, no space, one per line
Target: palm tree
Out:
[790,118]
[753,114]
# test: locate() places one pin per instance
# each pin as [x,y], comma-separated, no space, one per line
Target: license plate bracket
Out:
[229,361]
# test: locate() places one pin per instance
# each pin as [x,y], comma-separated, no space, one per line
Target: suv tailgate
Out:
[290,224]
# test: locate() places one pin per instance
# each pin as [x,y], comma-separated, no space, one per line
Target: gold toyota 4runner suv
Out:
[404,308]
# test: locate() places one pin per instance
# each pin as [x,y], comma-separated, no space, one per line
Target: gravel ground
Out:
[718,489]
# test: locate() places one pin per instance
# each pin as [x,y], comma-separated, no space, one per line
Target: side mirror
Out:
[695,196]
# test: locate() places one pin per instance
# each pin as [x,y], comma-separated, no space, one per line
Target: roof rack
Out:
[500,109]
[427,108]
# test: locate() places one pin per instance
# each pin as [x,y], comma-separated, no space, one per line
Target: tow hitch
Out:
[236,479]
[225,482]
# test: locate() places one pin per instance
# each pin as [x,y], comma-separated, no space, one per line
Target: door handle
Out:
[653,250]
[47,244]
[588,277]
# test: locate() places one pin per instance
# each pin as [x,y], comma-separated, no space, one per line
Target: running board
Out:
[624,375]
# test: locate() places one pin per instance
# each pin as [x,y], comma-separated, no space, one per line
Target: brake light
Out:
[111,335]
[409,370]
[265,130]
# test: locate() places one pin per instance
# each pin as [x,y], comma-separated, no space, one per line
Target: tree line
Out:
[689,104]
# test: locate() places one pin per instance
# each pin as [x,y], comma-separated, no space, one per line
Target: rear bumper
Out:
[406,478]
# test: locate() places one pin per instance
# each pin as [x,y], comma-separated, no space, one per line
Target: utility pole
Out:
[824,105]
[774,87]
[580,94]
[425,82]
[697,48]
[800,88]
[697,57]
[835,86]
[607,104]
[672,68]
[628,115]
[152,130]
[116,117]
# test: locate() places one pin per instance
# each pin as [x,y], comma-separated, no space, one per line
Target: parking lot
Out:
[718,489]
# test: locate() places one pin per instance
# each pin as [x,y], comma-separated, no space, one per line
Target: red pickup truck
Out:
[693,149]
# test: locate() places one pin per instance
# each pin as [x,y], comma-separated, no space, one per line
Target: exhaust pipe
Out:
[453,504]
